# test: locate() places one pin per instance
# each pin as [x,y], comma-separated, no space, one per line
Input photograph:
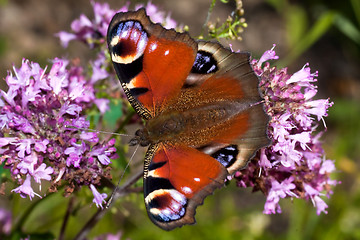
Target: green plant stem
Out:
[66,218]
[211,8]
[27,213]
[123,190]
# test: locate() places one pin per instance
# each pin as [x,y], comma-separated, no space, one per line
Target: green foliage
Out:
[115,112]
[347,144]
[306,40]
[302,34]
[347,28]
[231,28]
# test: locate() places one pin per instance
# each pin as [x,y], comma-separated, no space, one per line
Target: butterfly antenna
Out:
[121,177]
[98,131]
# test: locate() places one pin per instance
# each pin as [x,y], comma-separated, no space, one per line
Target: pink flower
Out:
[25,189]
[40,146]
[43,172]
[99,198]
[268,55]
[28,163]
[277,191]
[102,104]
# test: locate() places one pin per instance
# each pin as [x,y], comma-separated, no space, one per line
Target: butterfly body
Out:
[203,113]
[194,123]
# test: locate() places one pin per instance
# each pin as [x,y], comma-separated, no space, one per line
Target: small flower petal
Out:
[25,189]
[99,199]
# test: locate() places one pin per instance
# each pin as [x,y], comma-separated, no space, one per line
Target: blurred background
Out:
[325,33]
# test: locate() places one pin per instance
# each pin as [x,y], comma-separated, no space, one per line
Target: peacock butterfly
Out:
[203,110]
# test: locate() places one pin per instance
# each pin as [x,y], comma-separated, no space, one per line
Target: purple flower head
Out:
[294,165]
[93,32]
[157,16]
[99,71]
[39,118]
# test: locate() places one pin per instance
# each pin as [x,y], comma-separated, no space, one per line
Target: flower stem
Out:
[66,218]
[123,190]
[211,8]
[17,227]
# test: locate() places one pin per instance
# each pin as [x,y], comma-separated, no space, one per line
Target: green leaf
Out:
[296,24]
[346,111]
[1,169]
[113,114]
[321,26]
[347,28]
[356,7]
[279,5]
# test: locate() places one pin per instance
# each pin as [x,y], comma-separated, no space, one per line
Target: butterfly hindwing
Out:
[176,180]
[144,55]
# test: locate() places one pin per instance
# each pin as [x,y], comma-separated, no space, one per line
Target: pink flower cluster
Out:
[40,122]
[295,164]
[93,32]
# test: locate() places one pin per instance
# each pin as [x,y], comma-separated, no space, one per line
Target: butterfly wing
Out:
[156,68]
[176,181]
[215,62]
[152,62]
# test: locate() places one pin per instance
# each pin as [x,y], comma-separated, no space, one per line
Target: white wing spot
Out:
[186,190]
[114,41]
[124,34]
[153,46]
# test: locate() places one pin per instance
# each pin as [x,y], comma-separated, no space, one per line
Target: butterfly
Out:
[203,112]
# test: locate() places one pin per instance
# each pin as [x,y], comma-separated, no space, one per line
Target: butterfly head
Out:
[141,138]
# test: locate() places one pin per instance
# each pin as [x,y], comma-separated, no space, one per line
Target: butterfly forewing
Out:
[144,55]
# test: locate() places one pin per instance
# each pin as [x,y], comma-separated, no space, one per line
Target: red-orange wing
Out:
[151,62]
[176,181]
[229,75]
